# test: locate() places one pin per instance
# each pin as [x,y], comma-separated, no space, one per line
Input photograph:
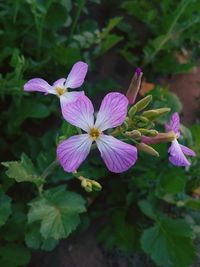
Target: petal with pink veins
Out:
[73,151]
[38,85]
[117,155]
[174,124]
[59,83]
[187,151]
[69,97]
[112,112]
[177,156]
[77,75]
[79,113]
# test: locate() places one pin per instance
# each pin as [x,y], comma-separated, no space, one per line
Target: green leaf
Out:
[110,41]
[66,56]
[146,207]
[56,16]
[169,243]
[5,208]
[22,171]
[58,211]
[172,182]
[13,255]
[34,239]
[68,129]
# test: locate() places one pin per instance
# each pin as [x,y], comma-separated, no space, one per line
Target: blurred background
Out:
[44,38]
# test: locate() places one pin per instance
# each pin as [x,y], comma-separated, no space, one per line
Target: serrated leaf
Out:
[34,239]
[167,243]
[14,255]
[22,171]
[146,207]
[58,211]
[5,208]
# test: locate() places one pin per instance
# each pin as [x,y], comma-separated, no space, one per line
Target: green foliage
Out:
[22,171]
[5,207]
[13,255]
[58,211]
[167,243]
[172,34]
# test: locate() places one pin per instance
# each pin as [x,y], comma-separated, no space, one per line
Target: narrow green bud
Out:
[147,149]
[125,124]
[132,111]
[143,103]
[147,132]
[155,113]
[133,134]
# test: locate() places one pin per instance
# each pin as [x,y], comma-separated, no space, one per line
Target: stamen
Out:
[60,90]
[94,133]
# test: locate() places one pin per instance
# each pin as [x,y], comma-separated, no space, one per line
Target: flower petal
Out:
[59,83]
[177,156]
[69,97]
[174,124]
[79,113]
[187,151]
[38,85]
[73,151]
[77,75]
[112,112]
[117,155]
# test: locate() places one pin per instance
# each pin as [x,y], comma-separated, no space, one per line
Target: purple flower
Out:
[60,87]
[177,151]
[117,155]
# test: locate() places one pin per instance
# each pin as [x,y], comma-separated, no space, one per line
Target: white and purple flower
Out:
[177,151]
[60,87]
[117,155]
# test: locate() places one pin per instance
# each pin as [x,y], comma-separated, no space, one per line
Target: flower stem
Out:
[81,4]
[49,169]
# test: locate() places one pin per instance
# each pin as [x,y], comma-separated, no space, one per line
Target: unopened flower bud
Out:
[96,186]
[88,188]
[147,149]
[125,124]
[143,103]
[133,134]
[84,183]
[134,86]
[155,113]
[147,132]
[159,138]
[132,111]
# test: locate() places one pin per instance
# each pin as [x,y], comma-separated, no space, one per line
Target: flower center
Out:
[60,91]
[94,133]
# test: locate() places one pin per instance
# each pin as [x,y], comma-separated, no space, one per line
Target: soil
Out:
[187,88]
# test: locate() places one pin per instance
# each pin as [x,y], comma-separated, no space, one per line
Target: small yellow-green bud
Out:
[125,124]
[143,103]
[147,149]
[95,185]
[88,188]
[155,113]
[84,183]
[132,111]
[147,132]
[133,134]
